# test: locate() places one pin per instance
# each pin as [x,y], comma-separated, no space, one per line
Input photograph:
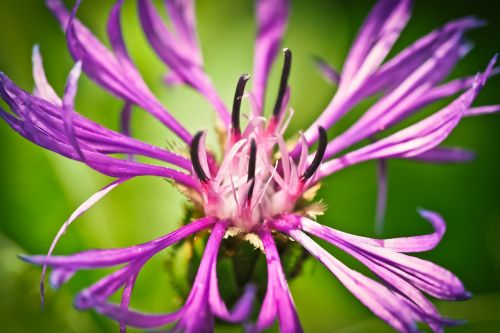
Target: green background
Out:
[39,189]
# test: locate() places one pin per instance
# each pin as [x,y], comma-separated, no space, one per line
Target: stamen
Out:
[318,158]
[250,191]
[195,158]
[238,95]
[283,83]
[251,168]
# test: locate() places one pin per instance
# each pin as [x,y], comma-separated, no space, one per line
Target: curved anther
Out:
[238,95]
[318,158]
[195,157]
[284,82]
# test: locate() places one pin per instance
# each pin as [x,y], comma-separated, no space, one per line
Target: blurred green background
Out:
[40,189]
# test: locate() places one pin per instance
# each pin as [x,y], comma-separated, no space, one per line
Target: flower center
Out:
[257,179]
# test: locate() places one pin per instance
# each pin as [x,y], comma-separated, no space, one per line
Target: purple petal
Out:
[412,57]
[97,293]
[110,141]
[391,75]
[446,90]
[400,103]
[407,305]
[242,309]
[381,195]
[101,65]
[125,116]
[177,53]
[278,301]
[272,20]
[138,319]
[58,277]
[198,316]
[425,275]
[375,39]
[416,139]
[422,306]
[329,73]
[401,244]
[125,126]
[46,125]
[107,165]
[125,301]
[482,110]
[385,304]
[68,106]
[197,303]
[182,15]
[79,211]
[43,89]
[111,257]
[442,155]
[118,43]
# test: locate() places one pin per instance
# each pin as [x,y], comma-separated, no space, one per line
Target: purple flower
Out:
[260,191]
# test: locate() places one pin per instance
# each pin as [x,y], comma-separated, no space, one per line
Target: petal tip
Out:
[466,295]
[23,257]
[27,258]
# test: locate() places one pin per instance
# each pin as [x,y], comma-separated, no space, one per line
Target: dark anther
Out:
[195,158]
[284,81]
[318,158]
[238,95]
[252,159]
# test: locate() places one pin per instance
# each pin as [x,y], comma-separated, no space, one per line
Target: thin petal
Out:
[412,57]
[373,42]
[79,211]
[43,89]
[278,301]
[178,55]
[118,43]
[47,125]
[482,110]
[401,101]
[68,107]
[111,257]
[444,155]
[182,15]
[58,277]
[373,295]
[425,275]
[426,311]
[272,20]
[125,301]
[401,244]
[198,316]
[138,319]
[241,310]
[102,65]
[382,185]
[331,75]
[390,76]
[125,116]
[416,139]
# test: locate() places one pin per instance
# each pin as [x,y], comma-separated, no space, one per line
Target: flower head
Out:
[262,189]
